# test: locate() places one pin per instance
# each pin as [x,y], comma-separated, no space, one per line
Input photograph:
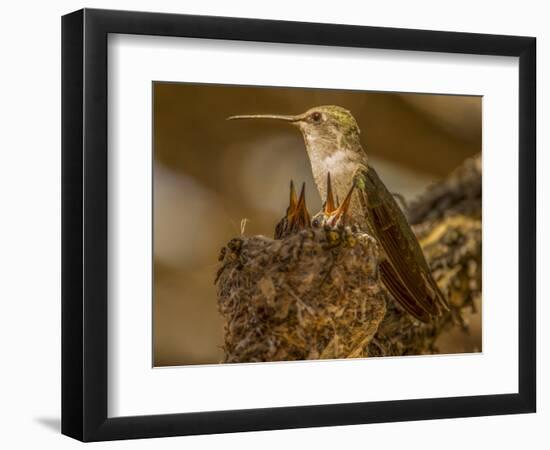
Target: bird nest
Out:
[312,295]
[314,292]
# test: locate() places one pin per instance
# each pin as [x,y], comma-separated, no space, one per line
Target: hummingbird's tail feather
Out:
[401,294]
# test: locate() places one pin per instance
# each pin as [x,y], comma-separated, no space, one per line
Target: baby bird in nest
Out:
[297,216]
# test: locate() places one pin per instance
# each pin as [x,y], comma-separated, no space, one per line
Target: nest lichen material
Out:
[313,295]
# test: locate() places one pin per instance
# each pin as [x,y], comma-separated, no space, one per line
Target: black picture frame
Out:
[84,224]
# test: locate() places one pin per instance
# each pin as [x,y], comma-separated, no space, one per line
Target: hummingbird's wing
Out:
[405,273]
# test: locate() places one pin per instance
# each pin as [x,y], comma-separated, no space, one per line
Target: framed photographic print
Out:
[274,224]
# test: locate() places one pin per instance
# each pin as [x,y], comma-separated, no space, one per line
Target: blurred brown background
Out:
[209,174]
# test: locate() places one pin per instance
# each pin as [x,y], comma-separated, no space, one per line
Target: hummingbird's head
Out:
[326,128]
[330,125]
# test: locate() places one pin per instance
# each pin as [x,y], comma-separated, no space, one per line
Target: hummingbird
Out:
[331,137]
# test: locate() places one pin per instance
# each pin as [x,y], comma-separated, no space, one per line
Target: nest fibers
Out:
[313,295]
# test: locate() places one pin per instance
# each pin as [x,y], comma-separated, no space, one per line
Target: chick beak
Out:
[293,202]
[340,214]
[301,219]
[330,206]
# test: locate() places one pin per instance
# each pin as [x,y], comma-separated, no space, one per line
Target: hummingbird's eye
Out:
[316,117]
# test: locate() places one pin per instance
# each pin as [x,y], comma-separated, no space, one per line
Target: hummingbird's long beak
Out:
[283,118]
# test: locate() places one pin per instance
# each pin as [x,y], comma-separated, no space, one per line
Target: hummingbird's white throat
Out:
[342,166]
[329,150]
